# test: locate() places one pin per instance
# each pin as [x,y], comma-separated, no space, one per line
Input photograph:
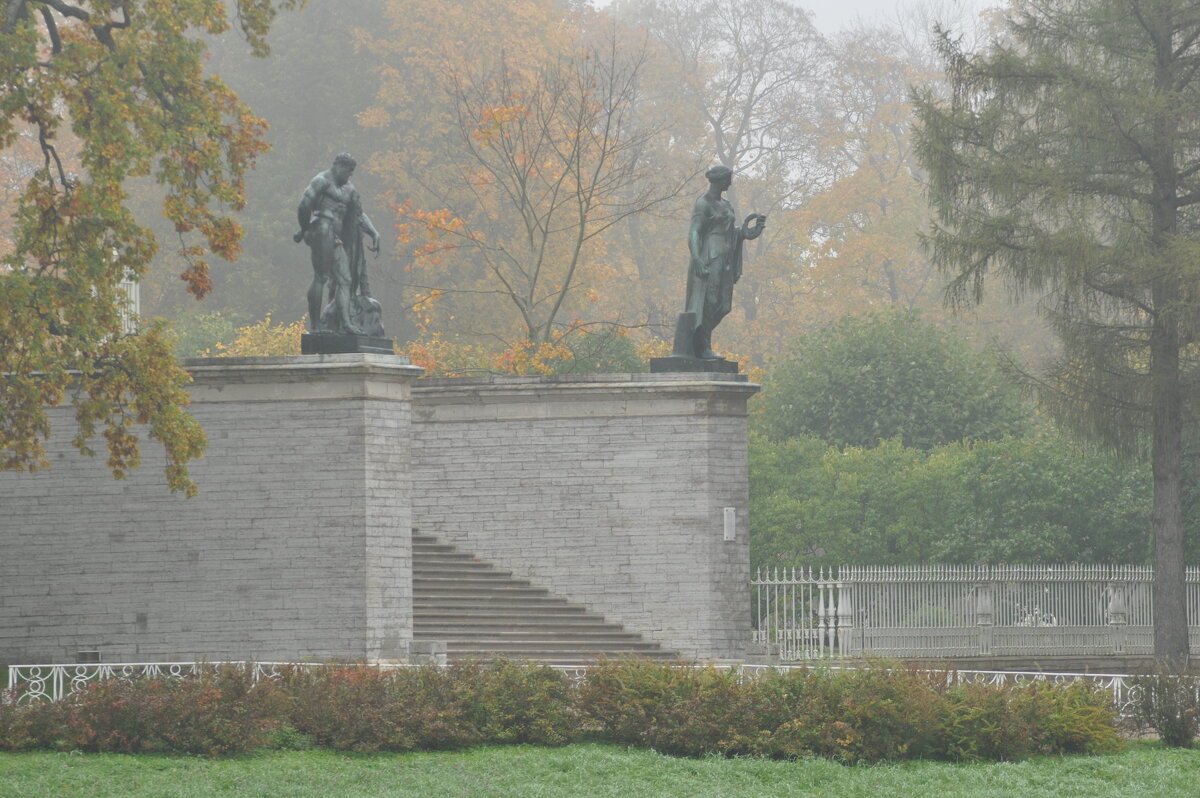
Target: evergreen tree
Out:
[1066,162]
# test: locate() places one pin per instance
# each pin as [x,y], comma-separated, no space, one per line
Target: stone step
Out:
[467,591]
[565,633]
[537,650]
[493,602]
[472,578]
[444,552]
[455,565]
[565,662]
[503,619]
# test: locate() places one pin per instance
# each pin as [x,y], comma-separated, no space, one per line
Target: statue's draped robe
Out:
[714,229]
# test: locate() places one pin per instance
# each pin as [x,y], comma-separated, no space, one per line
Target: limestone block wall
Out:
[609,490]
[297,546]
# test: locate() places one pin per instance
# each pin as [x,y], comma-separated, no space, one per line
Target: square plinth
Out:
[329,343]
[682,363]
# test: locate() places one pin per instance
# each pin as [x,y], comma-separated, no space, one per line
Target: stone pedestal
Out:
[330,343]
[298,545]
[682,364]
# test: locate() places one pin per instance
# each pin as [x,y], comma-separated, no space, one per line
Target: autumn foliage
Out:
[111,91]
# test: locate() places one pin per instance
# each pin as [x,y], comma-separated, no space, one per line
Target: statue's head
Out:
[720,176]
[343,167]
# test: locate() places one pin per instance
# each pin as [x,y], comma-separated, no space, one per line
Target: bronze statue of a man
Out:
[715,242]
[332,223]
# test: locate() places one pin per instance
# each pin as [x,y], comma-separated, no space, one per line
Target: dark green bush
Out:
[802,714]
[1168,704]
[983,722]
[880,712]
[892,713]
[625,697]
[518,702]
[288,738]
[1077,718]
[702,711]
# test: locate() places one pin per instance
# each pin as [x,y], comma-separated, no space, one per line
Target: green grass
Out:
[1146,769]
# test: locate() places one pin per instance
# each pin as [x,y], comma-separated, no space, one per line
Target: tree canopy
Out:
[1033,499]
[106,92]
[888,375]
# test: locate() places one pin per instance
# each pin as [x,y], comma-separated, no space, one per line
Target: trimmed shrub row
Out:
[867,715]
[864,715]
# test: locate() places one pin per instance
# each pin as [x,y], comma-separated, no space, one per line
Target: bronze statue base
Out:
[332,343]
[681,363]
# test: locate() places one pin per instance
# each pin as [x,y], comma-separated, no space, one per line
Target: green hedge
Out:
[871,714]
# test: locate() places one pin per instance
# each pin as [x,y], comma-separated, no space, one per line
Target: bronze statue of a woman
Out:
[715,242]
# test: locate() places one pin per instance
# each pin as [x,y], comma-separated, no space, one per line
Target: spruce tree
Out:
[1065,163]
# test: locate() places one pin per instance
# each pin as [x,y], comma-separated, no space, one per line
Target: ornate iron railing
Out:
[47,682]
[803,614]
[54,682]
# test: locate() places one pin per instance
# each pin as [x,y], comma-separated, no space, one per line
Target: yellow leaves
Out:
[264,339]
[442,358]
[374,118]
[423,304]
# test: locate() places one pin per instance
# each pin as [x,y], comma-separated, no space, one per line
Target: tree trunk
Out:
[1170,607]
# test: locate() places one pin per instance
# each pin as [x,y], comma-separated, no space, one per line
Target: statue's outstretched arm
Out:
[750,233]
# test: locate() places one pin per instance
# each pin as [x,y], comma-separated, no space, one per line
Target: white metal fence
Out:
[946,611]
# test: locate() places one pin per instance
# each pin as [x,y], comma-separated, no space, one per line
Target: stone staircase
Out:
[482,612]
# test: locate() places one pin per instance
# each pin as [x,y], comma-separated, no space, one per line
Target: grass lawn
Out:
[1146,769]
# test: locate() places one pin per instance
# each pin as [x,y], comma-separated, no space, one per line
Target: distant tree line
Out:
[884,440]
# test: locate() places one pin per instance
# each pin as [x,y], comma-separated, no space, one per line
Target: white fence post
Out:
[984,616]
[1118,615]
[845,619]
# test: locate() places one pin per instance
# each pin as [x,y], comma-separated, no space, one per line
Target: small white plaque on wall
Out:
[731,523]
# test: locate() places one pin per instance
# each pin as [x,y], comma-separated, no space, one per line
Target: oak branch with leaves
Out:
[112,90]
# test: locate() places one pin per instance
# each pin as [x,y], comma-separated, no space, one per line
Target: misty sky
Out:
[831,16]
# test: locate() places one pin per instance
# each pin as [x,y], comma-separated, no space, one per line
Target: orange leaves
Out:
[224,237]
[439,221]
[494,118]
[428,234]
[199,282]
[530,357]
